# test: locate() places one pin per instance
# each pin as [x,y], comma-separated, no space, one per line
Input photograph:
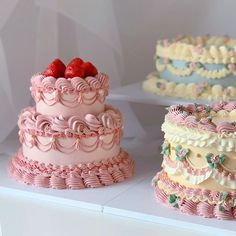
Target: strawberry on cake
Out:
[71,138]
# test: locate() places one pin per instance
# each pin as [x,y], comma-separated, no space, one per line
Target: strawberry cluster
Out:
[76,68]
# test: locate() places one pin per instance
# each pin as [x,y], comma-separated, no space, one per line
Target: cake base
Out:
[206,207]
[89,175]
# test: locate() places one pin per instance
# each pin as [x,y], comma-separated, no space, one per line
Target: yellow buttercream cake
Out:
[199,161]
[194,68]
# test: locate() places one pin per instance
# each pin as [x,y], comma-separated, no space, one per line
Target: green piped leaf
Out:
[172,198]
[222,158]
[199,65]
[165,149]
[208,109]
[222,209]
[177,148]
[223,196]
[213,165]
[208,157]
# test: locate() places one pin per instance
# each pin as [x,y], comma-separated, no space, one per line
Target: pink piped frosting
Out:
[79,84]
[230,106]
[198,116]
[225,126]
[89,175]
[188,207]
[206,124]
[70,92]
[205,209]
[100,81]
[191,122]
[64,85]
[223,215]
[219,210]
[108,120]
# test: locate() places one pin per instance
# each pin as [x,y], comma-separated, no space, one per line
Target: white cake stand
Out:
[135,93]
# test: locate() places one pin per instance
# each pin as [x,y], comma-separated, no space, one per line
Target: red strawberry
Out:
[76,61]
[90,69]
[74,71]
[55,69]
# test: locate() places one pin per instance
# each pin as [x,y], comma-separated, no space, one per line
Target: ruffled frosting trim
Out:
[202,117]
[191,201]
[84,175]
[160,86]
[205,49]
[70,92]
[198,175]
[49,83]
[223,142]
[199,69]
[45,125]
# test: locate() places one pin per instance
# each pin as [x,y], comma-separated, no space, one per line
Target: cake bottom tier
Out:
[194,201]
[163,87]
[89,175]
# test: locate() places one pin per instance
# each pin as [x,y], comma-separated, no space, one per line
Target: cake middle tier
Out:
[68,97]
[70,141]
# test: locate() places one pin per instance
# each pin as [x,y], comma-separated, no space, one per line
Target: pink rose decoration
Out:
[192,65]
[198,49]
[231,67]
[215,159]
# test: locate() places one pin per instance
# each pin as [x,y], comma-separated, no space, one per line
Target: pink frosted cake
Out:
[199,160]
[70,139]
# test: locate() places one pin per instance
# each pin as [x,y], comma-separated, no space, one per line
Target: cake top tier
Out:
[204,49]
[217,118]
[77,76]
[61,88]
[70,85]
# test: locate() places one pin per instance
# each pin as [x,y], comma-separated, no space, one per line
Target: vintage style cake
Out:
[71,138]
[194,68]
[199,160]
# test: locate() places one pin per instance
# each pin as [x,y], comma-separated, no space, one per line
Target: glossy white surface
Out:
[36,218]
[126,207]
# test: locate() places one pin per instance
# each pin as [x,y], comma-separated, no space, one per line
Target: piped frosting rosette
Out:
[69,92]
[194,68]
[199,166]
[33,122]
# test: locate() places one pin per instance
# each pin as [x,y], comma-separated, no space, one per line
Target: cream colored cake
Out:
[199,160]
[194,68]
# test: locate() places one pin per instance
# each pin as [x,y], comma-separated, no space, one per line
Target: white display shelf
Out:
[133,199]
[90,198]
[135,93]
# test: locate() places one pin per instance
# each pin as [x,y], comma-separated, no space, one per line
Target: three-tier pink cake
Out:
[71,138]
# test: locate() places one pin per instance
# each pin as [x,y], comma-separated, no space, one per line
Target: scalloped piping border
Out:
[191,90]
[60,87]
[87,131]
[204,49]
[190,207]
[89,175]
[201,70]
